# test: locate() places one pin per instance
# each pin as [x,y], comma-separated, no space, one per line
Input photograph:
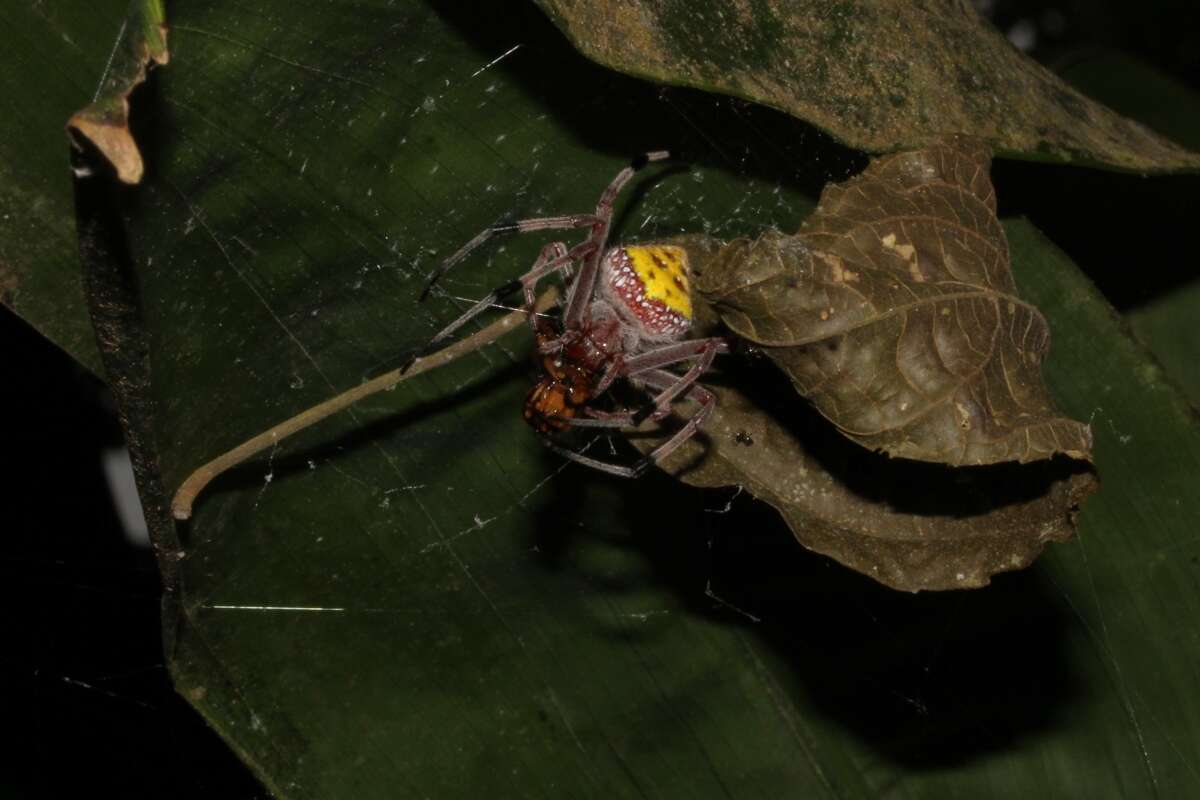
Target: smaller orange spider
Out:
[628,309]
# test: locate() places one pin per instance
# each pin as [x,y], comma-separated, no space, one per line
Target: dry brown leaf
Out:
[894,310]
[912,526]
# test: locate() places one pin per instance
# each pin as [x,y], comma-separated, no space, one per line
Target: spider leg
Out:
[663,381]
[614,370]
[620,470]
[658,357]
[703,350]
[599,223]
[657,408]
[554,257]
[585,284]
[655,359]
[567,222]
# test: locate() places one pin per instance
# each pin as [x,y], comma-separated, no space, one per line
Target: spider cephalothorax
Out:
[627,312]
[566,386]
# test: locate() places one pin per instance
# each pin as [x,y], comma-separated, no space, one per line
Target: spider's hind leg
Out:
[664,382]
[703,350]
[634,470]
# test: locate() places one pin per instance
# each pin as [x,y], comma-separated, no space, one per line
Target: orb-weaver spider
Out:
[627,310]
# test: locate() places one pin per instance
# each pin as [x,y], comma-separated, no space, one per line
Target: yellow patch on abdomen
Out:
[663,271]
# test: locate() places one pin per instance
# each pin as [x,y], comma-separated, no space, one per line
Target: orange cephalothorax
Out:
[565,387]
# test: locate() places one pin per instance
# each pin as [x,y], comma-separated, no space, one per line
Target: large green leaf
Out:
[1166,319]
[881,75]
[417,599]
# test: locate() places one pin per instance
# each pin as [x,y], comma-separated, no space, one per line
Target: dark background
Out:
[88,706]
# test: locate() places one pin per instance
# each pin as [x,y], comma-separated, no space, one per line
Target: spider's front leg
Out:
[567,222]
[555,257]
[598,221]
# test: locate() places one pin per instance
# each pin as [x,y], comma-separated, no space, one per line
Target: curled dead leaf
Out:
[912,526]
[895,312]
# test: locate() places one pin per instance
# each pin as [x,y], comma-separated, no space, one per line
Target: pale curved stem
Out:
[185,496]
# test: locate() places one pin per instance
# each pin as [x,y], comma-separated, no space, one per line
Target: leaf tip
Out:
[105,122]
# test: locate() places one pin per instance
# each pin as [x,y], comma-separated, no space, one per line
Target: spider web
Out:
[416,593]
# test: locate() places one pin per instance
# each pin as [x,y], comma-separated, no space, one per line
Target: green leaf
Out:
[1166,321]
[880,76]
[418,599]
[53,54]
[1168,327]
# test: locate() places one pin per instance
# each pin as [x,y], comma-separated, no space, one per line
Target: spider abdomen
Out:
[649,285]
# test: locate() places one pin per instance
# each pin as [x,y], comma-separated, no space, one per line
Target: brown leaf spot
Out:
[906,252]
[838,272]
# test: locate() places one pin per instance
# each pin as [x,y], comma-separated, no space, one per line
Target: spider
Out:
[627,311]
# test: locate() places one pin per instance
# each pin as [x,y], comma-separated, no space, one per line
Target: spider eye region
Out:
[651,283]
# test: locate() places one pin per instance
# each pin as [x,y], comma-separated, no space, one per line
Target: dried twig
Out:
[185,496]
